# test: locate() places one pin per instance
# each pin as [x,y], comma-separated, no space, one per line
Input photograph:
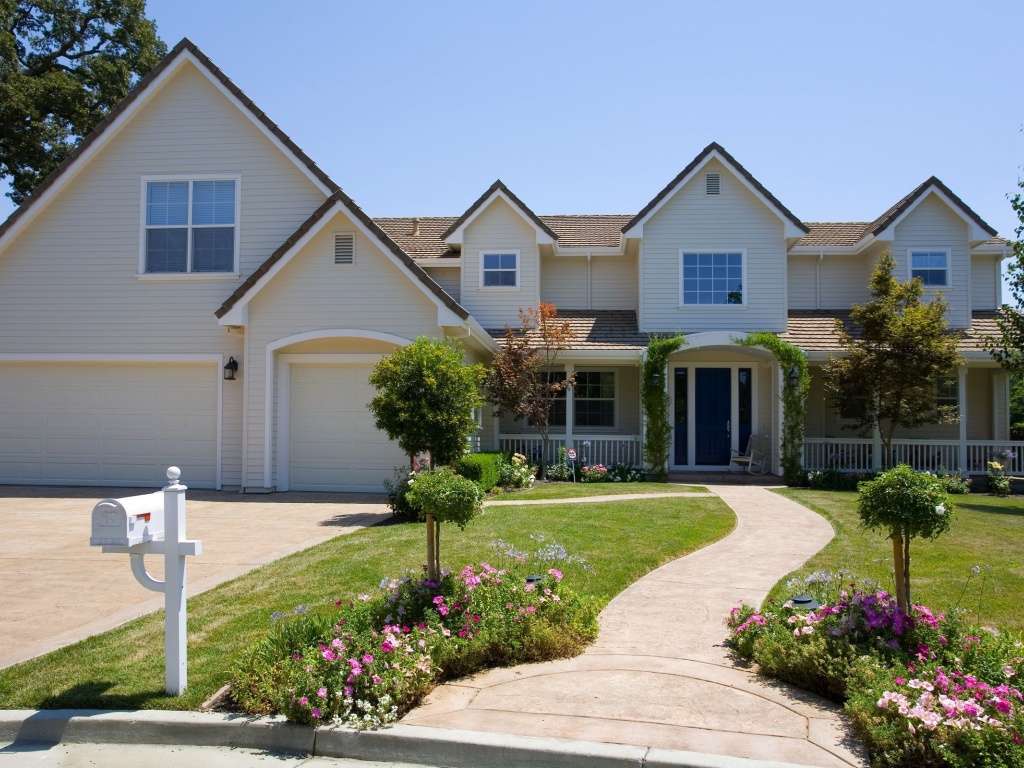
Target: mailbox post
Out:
[154,524]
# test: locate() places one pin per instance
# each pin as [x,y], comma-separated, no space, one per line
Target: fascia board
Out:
[457,237]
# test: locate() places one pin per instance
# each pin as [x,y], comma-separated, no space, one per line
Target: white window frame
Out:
[952,381]
[189,275]
[519,269]
[614,398]
[714,307]
[949,266]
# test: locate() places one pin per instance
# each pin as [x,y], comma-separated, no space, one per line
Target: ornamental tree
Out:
[887,379]
[445,497]
[64,64]
[425,400]
[904,504]
[520,381]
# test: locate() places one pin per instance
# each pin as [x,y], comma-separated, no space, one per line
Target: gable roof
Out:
[498,186]
[900,207]
[339,197]
[185,46]
[714,148]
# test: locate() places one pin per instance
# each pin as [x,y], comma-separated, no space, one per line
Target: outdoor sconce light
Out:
[794,376]
[805,603]
[656,379]
[230,369]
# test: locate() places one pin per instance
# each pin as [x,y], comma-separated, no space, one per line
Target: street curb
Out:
[400,743]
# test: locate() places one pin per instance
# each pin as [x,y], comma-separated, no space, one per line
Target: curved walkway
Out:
[658,674]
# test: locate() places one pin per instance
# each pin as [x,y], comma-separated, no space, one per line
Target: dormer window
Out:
[712,184]
[190,226]
[931,266]
[499,269]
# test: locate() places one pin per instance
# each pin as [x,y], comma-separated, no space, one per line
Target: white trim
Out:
[269,388]
[975,233]
[180,277]
[457,237]
[189,274]
[724,251]
[789,228]
[599,356]
[439,263]
[501,252]
[948,287]
[122,119]
[129,359]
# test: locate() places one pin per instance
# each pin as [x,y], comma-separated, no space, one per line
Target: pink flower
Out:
[321,693]
[367,658]
[387,647]
[556,573]
[329,654]
[377,680]
[303,701]
[316,712]
[348,690]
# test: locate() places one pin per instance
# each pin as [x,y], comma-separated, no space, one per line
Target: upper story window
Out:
[931,266]
[711,278]
[191,226]
[499,269]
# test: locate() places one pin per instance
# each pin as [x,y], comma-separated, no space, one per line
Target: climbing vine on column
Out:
[794,399]
[654,398]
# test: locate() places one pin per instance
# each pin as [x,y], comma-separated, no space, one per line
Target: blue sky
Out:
[839,109]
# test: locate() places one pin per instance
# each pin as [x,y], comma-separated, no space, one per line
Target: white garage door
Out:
[333,445]
[108,424]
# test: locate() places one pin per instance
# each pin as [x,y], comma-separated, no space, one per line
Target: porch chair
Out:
[755,459]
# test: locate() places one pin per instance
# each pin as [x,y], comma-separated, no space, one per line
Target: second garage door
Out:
[333,444]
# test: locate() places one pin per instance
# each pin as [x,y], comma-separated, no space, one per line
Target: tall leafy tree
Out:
[425,400]
[1008,347]
[64,64]
[521,380]
[888,377]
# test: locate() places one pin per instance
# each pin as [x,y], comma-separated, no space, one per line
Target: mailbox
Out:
[128,521]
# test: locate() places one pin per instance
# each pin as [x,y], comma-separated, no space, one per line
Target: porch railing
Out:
[857,454]
[607,450]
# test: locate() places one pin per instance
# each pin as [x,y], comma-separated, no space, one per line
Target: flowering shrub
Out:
[953,482]
[516,472]
[832,479]
[366,662]
[921,688]
[998,480]
[594,473]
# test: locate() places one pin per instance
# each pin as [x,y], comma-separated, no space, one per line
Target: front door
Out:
[713,395]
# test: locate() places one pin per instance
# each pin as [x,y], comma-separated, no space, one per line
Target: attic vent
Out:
[345,248]
[712,184]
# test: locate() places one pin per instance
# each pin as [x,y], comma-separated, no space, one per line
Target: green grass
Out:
[123,668]
[986,531]
[579,490]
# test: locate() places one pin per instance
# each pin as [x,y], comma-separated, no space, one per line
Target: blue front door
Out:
[713,411]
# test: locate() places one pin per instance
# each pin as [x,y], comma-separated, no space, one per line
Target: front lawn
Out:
[579,490]
[987,533]
[123,668]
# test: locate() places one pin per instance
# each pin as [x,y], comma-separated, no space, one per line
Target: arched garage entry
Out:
[326,440]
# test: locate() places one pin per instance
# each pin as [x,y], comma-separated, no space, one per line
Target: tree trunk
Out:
[437,549]
[432,574]
[900,576]
[542,468]
[906,571]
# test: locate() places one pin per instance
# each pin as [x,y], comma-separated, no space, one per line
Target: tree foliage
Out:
[905,504]
[447,498]
[64,64]
[888,377]
[520,381]
[794,399]
[655,402]
[1008,347]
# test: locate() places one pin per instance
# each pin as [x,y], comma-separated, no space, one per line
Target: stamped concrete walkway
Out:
[658,674]
[55,589]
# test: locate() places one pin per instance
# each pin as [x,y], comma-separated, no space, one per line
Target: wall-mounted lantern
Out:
[794,376]
[230,369]
[656,379]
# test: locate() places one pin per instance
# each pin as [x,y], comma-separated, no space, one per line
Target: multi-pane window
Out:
[190,226]
[947,392]
[556,415]
[931,266]
[594,399]
[712,278]
[500,270]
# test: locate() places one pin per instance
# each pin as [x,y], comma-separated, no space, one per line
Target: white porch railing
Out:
[857,454]
[593,449]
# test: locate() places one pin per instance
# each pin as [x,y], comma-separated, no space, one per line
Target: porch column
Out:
[876,448]
[497,429]
[569,407]
[961,407]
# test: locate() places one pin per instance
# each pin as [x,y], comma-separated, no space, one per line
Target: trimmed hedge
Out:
[481,468]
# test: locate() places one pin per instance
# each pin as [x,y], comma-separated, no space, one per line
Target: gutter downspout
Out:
[817,278]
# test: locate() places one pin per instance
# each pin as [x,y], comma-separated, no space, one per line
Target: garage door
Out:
[333,445]
[108,424]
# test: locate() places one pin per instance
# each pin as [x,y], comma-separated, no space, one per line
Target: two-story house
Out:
[190,288]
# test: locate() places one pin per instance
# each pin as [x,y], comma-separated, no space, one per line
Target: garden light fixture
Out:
[805,603]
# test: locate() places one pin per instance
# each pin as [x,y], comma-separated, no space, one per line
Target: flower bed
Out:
[367,661]
[922,689]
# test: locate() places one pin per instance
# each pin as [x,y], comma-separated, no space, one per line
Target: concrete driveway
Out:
[55,589]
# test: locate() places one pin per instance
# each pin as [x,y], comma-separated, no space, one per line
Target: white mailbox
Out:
[128,521]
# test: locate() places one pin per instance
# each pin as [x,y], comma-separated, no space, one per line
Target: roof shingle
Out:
[597,329]
[814,329]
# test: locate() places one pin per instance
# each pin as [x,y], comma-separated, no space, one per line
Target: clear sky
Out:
[839,109]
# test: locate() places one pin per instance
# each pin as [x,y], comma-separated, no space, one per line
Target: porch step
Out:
[724,478]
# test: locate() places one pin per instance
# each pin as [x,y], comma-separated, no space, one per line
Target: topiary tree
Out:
[425,400]
[905,504]
[654,399]
[445,497]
